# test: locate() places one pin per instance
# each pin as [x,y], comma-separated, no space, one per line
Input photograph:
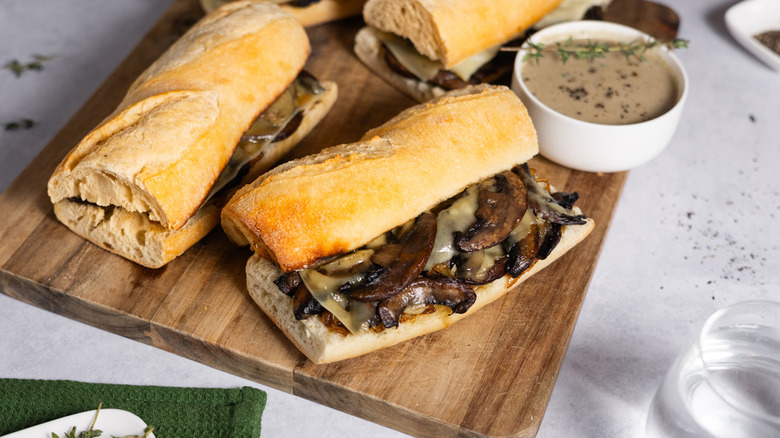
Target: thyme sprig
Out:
[95,433]
[594,49]
[18,68]
[19,124]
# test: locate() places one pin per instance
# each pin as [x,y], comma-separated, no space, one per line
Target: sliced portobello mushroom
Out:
[288,283]
[483,266]
[498,213]
[523,253]
[424,290]
[416,247]
[304,303]
[543,204]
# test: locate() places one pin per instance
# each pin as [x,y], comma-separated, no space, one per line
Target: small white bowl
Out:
[750,17]
[597,147]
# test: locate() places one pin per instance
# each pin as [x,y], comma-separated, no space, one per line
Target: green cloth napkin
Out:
[174,412]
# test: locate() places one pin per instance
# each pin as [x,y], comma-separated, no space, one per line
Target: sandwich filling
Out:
[499,226]
[278,122]
[401,57]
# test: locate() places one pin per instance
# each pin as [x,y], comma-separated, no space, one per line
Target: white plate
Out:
[113,422]
[750,17]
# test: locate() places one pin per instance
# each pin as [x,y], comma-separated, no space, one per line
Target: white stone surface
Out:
[694,230]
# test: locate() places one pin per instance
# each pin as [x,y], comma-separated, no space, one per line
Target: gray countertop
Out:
[695,229]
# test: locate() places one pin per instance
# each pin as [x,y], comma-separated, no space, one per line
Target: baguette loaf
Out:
[135,185]
[452,30]
[306,212]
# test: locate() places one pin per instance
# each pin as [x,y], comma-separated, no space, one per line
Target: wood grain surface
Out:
[489,375]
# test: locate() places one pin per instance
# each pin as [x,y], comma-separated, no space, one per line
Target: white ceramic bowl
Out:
[748,18]
[595,147]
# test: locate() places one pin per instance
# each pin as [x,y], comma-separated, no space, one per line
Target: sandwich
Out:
[427,47]
[425,220]
[307,12]
[219,107]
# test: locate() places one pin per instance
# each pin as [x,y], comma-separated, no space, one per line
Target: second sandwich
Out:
[428,218]
[224,103]
[427,47]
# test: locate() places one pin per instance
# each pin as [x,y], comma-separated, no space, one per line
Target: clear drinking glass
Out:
[727,384]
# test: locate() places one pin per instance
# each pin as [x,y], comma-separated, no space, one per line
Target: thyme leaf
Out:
[95,433]
[19,124]
[18,68]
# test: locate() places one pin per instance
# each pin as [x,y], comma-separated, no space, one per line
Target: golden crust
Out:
[209,86]
[322,345]
[452,30]
[335,201]
[136,237]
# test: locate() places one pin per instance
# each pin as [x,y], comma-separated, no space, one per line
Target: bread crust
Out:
[134,160]
[136,237]
[452,30]
[333,202]
[323,345]
[135,185]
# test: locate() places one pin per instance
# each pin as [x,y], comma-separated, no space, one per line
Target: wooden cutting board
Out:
[489,375]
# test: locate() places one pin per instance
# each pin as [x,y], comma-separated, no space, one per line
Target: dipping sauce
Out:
[612,90]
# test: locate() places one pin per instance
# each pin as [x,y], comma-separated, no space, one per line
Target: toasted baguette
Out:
[135,185]
[134,236]
[327,204]
[452,30]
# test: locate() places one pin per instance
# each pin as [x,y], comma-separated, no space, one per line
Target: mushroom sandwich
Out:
[426,219]
[219,107]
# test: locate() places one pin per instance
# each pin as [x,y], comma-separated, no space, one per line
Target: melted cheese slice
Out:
[425,68]
[460,216]
[299,96]
[354,314]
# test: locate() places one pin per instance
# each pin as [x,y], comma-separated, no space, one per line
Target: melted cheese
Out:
[299,96]
[470,65]
[457,217]
[425,68]
[352,313]
[521,230]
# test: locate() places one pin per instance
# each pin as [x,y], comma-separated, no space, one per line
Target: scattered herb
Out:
[753,118]
[94,433]
[592,50]
[20,124]
[17,68]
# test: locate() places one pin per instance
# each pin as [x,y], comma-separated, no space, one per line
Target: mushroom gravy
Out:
[611,90]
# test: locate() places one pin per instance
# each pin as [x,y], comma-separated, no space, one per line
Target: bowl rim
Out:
[601,26]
